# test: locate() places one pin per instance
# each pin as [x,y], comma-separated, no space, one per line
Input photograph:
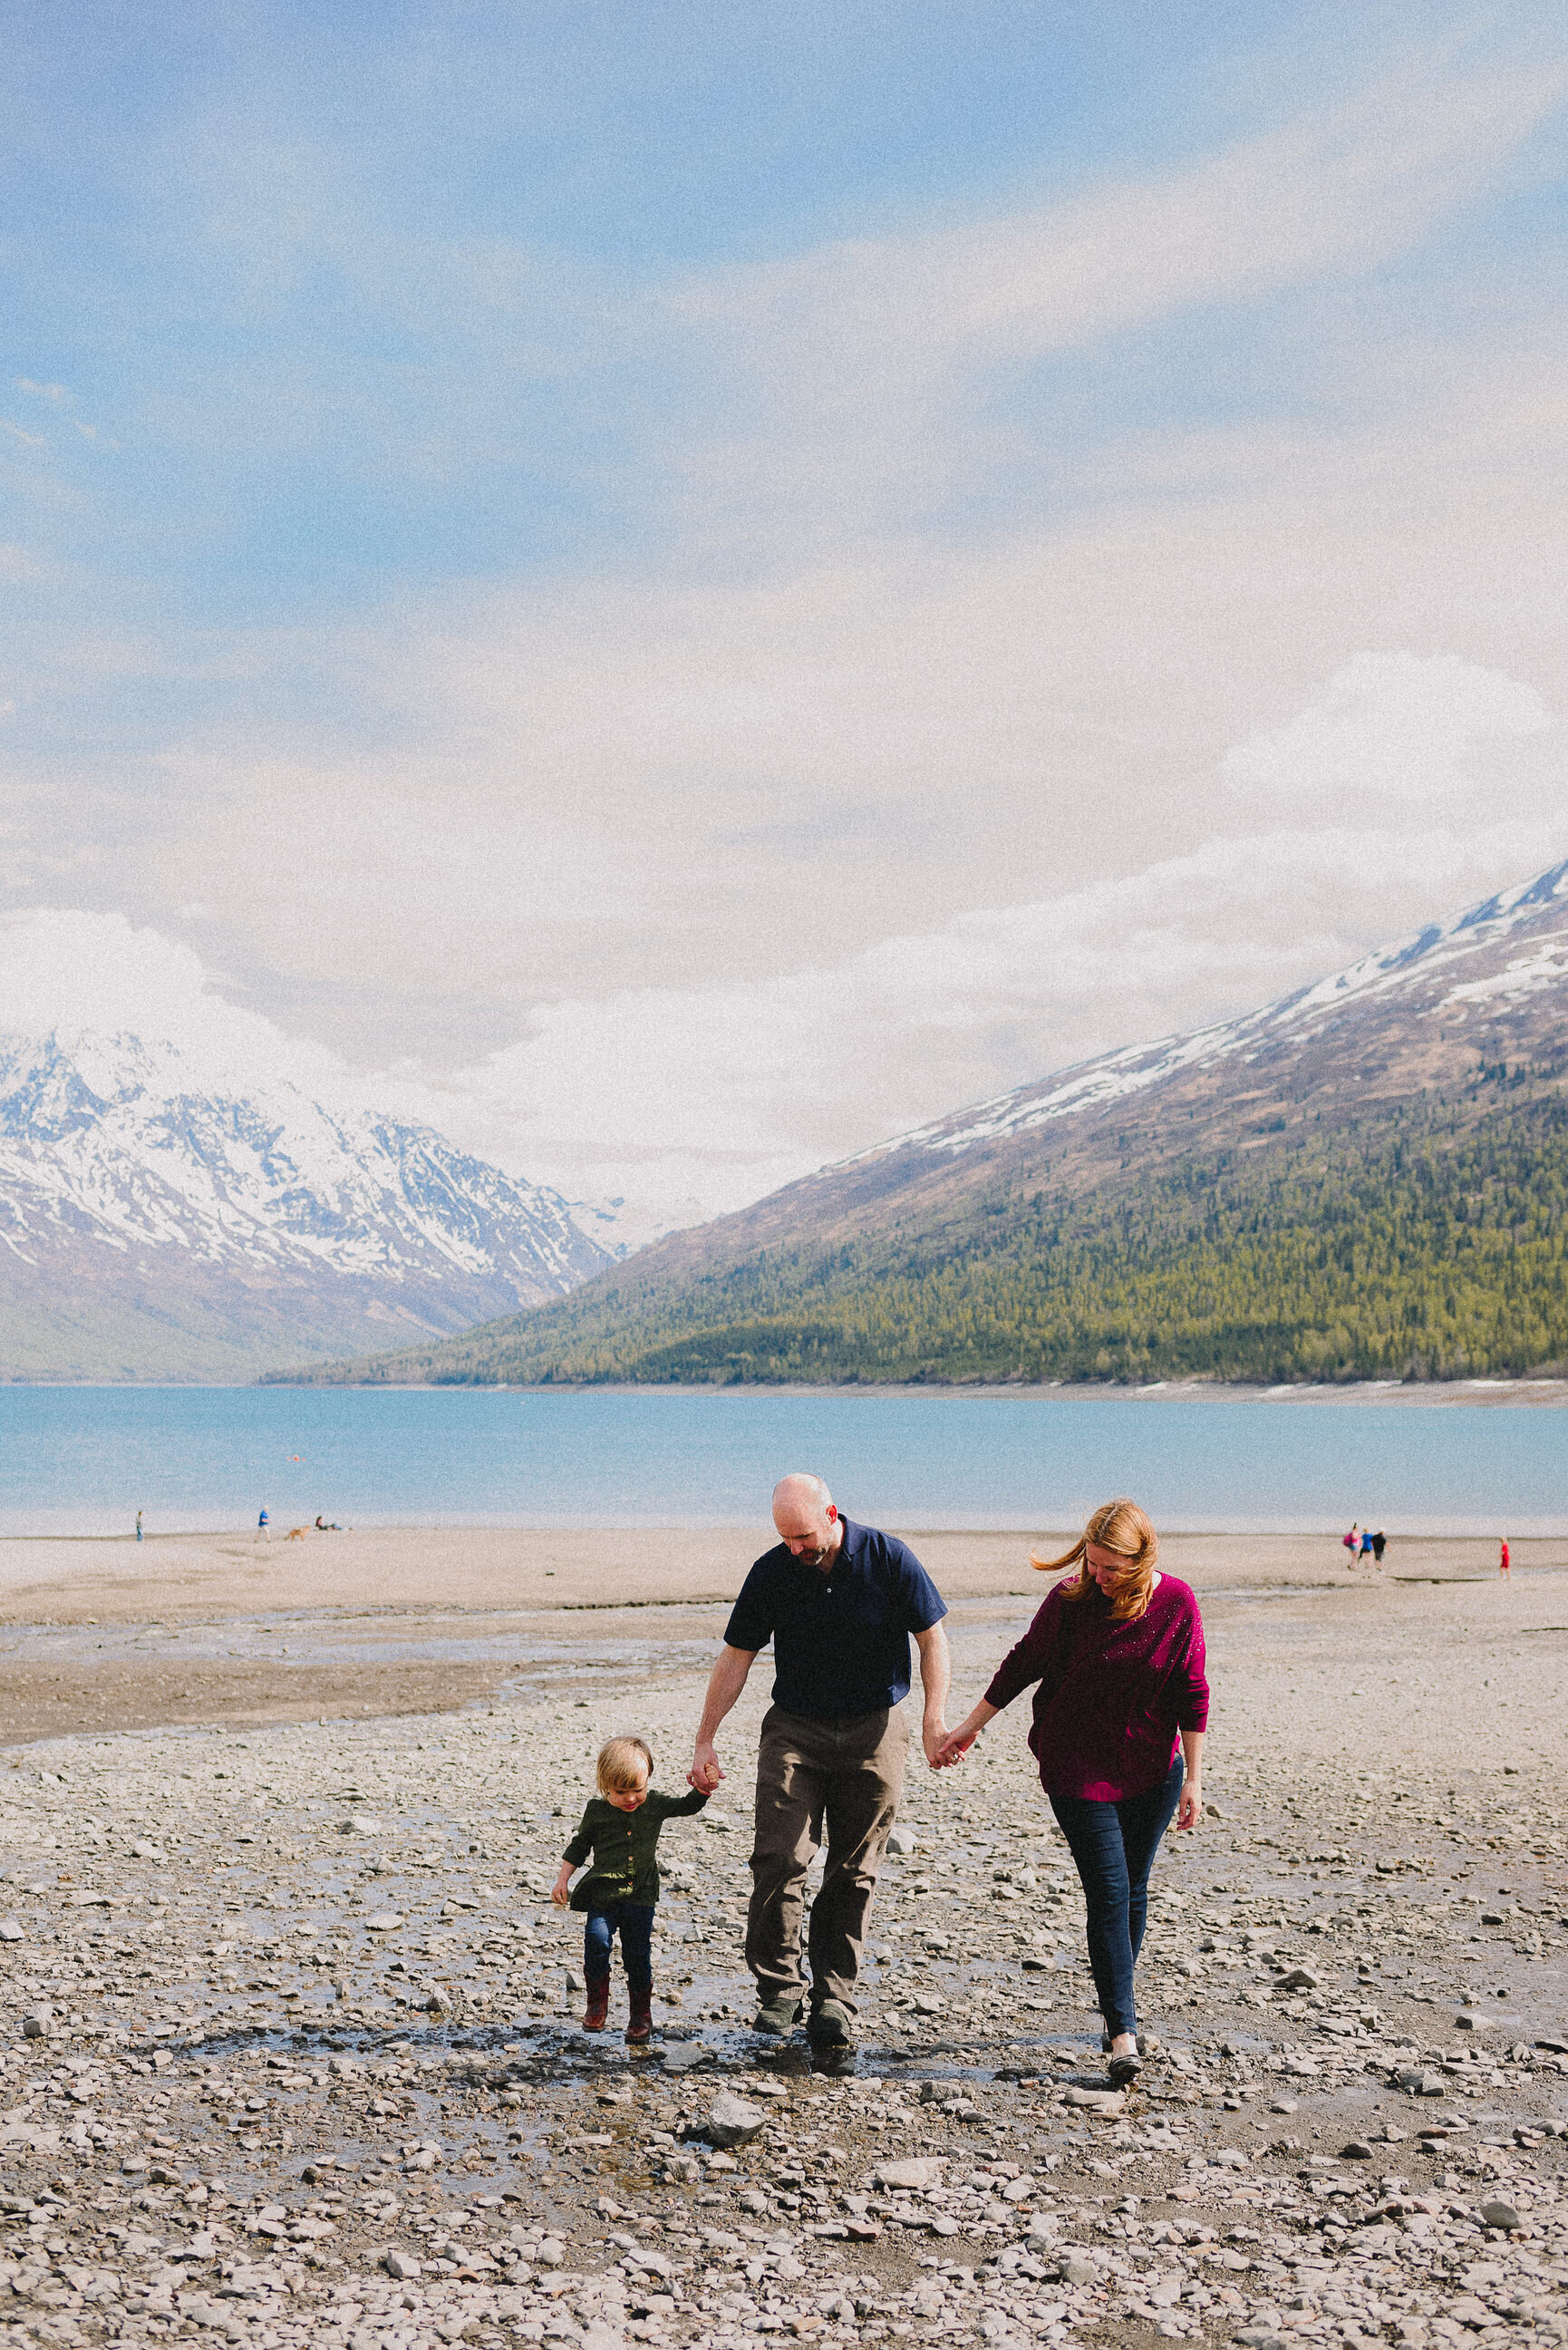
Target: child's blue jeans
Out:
[634,1921]
[1114,1847]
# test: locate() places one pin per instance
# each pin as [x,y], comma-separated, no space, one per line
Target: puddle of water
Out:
[295,1638]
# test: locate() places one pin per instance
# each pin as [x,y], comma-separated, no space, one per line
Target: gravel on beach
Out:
[291,2056]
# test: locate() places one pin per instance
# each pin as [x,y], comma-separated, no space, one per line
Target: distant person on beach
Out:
[620,1892]
[264,1528]
[1504,1564]
[1121,1709]
[1366,1543]
[138,1525]
[839,1603]
[1380,1544]
[1352,1543]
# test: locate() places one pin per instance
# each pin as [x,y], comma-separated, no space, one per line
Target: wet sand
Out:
[220,1628]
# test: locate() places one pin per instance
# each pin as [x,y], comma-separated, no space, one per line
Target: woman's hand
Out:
[957,1743]
[955,1746]
[560,1892]
[1190,1810]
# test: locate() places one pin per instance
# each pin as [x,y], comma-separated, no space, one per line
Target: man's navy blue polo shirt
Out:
[841,1639]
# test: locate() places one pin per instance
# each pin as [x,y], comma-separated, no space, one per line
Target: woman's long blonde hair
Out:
[1120,1526]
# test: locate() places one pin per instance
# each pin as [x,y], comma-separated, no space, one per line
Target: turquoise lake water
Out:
[85,1460]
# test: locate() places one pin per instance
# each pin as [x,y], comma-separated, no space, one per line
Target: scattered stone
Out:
[732,2121]
[902,1840]
[916,2170]
[1300,1979]
[207,2053]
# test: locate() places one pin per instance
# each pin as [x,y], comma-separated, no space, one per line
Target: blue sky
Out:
[637,574]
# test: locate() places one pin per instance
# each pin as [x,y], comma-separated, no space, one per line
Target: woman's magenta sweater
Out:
[1113,1697]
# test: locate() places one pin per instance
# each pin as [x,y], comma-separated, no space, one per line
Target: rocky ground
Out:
[290,2056]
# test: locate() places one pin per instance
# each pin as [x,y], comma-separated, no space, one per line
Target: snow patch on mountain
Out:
[1424,964]
[115,1143]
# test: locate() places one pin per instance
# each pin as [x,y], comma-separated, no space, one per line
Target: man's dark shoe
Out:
[780,2014]
[829,2025]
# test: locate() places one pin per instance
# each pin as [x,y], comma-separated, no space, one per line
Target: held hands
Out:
[954,1747]
[1190,1810]
[705,1773]
[560,1891]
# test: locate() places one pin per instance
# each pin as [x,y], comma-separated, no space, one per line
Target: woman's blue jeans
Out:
[635,1921]
[1113,1845]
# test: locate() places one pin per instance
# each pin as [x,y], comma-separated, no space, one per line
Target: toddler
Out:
[620,1829]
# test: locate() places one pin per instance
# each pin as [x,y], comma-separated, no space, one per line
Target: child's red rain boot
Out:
[598,2004]
[640,2026]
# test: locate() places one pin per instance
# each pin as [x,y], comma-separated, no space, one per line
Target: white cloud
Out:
[865,373]
[97,973]
[1390,725]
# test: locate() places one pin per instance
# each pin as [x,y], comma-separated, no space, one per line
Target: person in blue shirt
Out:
[839,1603]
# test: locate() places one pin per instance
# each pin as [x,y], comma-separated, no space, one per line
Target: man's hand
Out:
[560,1891]
[726,1682]
[933,1737]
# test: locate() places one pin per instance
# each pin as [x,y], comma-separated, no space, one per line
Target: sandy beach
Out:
[291,2052]
[112,1634]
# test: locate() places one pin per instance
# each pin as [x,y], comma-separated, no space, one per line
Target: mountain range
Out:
[157,1224]
[1367,1178]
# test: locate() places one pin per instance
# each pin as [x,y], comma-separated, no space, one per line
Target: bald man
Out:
[839,1603]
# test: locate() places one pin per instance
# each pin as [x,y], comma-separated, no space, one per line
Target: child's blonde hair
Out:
[623,1763]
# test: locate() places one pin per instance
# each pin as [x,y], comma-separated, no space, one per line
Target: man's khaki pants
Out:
[850,1775]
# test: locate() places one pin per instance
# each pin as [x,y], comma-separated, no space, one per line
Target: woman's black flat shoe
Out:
[1123,2071]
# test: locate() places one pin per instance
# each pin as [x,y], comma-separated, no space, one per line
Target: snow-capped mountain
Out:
[1454,1029]
[155,1224]
[1494,978]
[1488,987]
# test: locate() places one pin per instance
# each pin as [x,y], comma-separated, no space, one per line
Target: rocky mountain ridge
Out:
[155,1224]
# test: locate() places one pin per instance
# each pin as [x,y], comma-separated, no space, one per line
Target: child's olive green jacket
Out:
[625,1867]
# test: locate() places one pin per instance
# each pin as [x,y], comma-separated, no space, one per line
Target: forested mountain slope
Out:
[1367,1179]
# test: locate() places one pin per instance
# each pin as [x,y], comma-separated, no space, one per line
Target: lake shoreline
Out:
[1520,1394]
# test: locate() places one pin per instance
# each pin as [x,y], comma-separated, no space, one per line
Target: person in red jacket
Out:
[1121,1707]
[1504,1565]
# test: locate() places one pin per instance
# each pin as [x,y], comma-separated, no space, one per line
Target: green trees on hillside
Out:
[1434,1246]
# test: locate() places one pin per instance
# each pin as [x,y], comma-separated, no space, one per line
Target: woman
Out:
[1119,1721]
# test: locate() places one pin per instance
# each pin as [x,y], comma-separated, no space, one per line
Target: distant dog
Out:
[297,1534]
